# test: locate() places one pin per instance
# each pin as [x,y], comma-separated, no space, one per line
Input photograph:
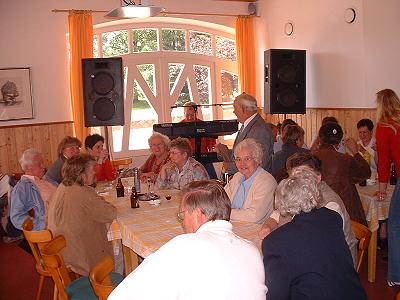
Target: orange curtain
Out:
[245,49]
[81,46]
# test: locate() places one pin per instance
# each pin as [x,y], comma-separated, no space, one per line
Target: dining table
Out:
[144,230]
[375,211]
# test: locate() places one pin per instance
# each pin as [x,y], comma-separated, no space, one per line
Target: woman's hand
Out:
[351,145]
[103,156]
[380,196]
[269,225]
[168,166]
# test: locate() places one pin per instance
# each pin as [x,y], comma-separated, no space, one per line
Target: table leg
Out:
[372,257]
[130,259]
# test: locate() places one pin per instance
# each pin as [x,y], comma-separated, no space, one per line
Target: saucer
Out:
[143,197]
[155,202]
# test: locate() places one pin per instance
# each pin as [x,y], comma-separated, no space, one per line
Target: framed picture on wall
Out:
[15,94]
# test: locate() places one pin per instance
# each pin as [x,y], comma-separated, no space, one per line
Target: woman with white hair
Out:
[159,147]
[251,190]
[308,258]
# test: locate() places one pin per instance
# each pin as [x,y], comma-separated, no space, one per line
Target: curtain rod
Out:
[164,13]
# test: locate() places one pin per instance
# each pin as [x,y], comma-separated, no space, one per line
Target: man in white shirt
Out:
[253,126]
[208,262]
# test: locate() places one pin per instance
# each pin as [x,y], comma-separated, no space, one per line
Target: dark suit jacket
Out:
[257,129]
[308,258]
[279,158]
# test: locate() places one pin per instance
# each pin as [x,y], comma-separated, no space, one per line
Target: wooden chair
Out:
[363,235]
[36,240]
[54,262]
[398,296]
[121,163]
[77,289]
[100,279]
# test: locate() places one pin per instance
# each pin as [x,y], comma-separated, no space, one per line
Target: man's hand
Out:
[222,150]
[361,149]
[269,225]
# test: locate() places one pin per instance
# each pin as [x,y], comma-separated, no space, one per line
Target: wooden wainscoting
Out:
[14,140]
[311,121]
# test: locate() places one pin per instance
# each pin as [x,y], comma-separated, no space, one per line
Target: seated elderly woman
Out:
[293,141]
[308,258]
[159,147]
[78,213]
[182,168]
[68,147]
[251,190]
[94,146]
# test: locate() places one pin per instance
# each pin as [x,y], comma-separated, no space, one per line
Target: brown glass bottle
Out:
[120,188]
[134,198]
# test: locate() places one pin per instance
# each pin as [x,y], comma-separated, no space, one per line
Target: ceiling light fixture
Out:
[133,10]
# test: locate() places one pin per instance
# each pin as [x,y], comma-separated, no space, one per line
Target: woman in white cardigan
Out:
[251,190]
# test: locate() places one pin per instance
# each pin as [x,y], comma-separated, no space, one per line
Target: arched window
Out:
[168,62]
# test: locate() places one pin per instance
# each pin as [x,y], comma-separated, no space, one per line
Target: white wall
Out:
[33,36]
[346,63]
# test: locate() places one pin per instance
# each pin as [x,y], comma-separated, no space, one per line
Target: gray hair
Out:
[252,146]
[164,138]
[248,102]
[210,197]
[298,193]
[27,158]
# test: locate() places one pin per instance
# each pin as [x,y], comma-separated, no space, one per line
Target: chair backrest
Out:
[363,235]
[36,240]
[51,254]
[100,279]
[121,163]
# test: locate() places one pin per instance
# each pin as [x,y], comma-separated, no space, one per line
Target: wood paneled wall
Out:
[45,137]
[14,140]
[311,121]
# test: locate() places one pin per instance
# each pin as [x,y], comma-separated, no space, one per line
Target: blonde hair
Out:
[388,108]
[74,168]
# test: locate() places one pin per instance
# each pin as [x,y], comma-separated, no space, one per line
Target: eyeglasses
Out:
[243,159]
[181,215]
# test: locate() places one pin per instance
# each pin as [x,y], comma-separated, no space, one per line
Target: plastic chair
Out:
[67,289]
[37,240]
[100,278]
[121,163]
[363,235]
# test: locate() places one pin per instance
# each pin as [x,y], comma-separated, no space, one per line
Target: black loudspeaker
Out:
[285,81]
[103,91]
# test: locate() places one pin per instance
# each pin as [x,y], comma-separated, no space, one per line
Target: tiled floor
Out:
[18,278]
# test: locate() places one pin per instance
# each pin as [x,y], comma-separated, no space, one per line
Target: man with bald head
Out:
[252,126]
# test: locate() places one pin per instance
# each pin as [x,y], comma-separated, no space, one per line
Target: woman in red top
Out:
[388,145]
[94,146]
[159,147]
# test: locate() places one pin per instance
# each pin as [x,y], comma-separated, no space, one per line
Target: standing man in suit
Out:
[253,126]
